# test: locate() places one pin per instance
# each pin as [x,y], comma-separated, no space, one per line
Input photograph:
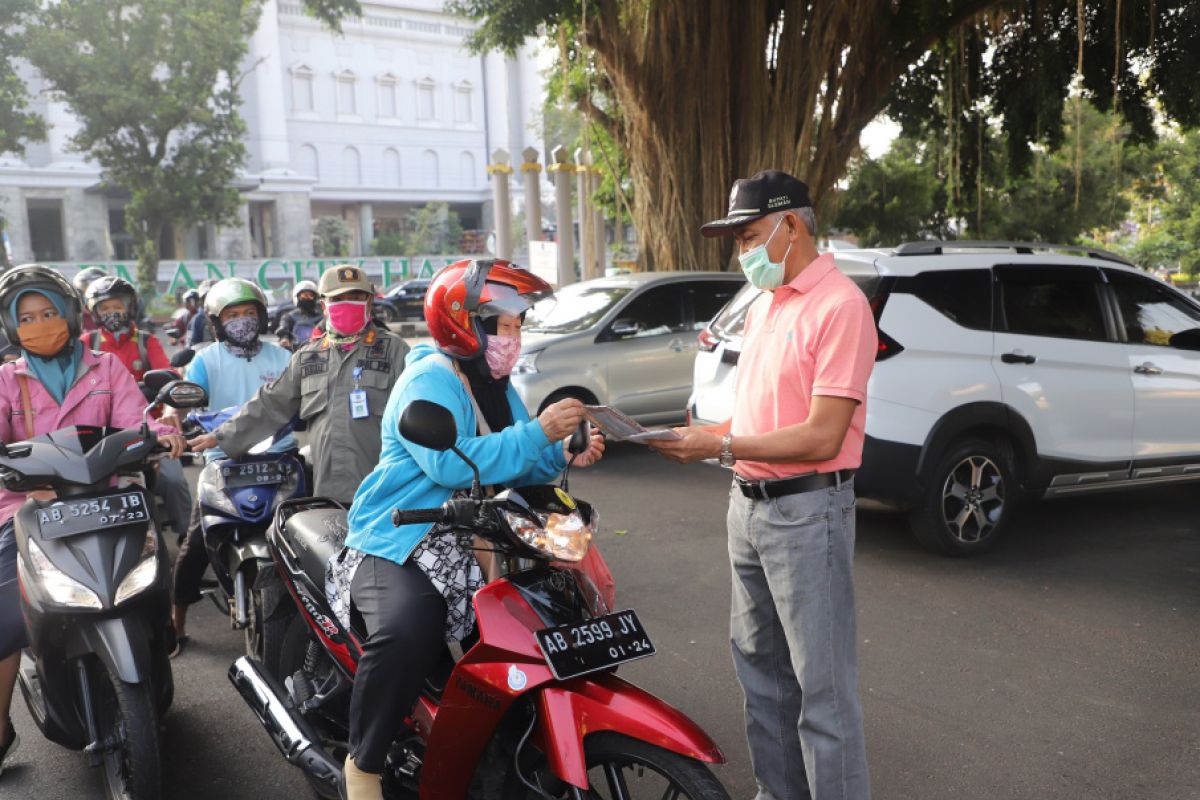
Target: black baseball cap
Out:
[753,198]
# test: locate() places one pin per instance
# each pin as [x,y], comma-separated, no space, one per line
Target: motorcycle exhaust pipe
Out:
[292,734]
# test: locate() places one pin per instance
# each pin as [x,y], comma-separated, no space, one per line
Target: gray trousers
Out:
[176,494]
[792,628]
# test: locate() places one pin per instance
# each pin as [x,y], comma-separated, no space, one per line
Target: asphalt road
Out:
[1064,665]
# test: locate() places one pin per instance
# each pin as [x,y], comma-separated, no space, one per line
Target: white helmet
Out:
[303,286]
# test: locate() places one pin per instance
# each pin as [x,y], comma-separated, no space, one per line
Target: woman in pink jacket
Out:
[57,383]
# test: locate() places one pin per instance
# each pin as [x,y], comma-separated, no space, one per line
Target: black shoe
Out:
[10,746]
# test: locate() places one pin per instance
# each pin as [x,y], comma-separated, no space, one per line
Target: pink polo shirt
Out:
[813,336]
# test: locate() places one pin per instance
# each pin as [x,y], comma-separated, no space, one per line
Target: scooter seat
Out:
[315,536]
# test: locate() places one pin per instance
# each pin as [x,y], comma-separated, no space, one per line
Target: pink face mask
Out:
[501,354]
[348,317]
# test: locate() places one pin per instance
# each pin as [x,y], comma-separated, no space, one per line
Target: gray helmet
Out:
[84,278]
[38,277]
[232,292]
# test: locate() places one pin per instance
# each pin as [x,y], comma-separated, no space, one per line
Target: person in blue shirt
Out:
[231,372]
[412,586]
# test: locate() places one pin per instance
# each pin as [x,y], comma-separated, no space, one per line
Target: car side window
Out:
[1150,313]
[707,298]
[654,312]
[1061,303]
[962,295]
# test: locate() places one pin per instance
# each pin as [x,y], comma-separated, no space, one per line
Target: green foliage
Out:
[18,125]
[910,192]
[331,237]
[155,88]
[432,229]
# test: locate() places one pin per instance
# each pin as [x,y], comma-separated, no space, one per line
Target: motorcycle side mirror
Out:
[156,379]
[429,425]
[182,394]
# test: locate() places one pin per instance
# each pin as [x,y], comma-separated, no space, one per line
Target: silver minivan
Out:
[627,341]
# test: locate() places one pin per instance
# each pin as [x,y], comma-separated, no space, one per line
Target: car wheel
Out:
[970,498]
[388,313]
[562,394]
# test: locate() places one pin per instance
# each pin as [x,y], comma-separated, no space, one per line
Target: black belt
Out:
[763,490]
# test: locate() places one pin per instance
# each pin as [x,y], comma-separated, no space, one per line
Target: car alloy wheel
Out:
[973,499]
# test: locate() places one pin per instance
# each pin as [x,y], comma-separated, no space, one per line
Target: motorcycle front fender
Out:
[122,644]
[604,702]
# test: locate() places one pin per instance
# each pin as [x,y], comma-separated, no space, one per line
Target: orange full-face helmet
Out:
[465,293]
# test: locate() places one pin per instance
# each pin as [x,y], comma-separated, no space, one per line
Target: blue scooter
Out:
[237,502]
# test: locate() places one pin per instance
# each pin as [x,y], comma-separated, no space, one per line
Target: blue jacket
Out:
[410,476]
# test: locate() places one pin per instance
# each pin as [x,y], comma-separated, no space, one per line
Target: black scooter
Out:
[94,580]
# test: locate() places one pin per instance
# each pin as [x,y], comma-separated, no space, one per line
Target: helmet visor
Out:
[500,298]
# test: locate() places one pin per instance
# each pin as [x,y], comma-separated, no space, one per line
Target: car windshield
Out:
[573,308]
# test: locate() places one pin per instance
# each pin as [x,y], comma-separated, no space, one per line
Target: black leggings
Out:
[405,620]
[12,627]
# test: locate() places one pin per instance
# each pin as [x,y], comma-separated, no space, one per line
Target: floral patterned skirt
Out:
[450,567]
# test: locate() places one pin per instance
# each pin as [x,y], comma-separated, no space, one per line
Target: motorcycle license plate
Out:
[597,644]
[80,515]
[255,473]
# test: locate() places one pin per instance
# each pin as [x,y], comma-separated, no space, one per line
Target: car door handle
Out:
[1017,357]
[1148,369]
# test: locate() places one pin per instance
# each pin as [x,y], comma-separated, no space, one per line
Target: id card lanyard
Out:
[358,398]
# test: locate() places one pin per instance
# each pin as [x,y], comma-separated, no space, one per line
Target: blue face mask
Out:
[761,271]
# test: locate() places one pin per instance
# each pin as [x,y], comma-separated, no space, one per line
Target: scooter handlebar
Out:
[401,516]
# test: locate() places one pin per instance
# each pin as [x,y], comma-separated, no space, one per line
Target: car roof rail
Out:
[937,248]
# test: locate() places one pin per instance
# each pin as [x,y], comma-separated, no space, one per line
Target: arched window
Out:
[351,167]
[302,89]
[391,168]
[426,107]
[308,163]
[386,85]
[463,100]
[429,168]
[466,170]
[347,102]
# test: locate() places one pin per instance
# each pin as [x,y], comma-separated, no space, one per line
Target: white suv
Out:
[1005,371]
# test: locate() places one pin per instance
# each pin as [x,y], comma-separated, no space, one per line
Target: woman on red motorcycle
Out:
[410,588]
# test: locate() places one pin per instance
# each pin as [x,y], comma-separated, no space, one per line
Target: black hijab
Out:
[490,393]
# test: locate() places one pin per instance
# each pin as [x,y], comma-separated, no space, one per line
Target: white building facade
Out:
[392,114]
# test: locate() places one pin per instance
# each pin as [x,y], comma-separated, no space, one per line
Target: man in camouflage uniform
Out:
[338,384]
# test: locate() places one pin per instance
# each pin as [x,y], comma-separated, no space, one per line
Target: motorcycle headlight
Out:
[57,585]
[142,576]
[565,537]
[210,489]
[526,363]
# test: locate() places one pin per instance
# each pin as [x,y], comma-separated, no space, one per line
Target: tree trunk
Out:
[702,103]
[146,233]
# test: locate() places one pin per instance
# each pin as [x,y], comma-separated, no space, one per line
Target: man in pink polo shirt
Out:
[794,442]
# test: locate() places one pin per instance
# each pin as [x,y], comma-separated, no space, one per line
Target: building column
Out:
[531,174]
[563,170]
[587,238]
[366,228]
[270,115]
[499,170]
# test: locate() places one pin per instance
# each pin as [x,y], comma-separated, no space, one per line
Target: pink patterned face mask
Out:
[348,317]
[501,354]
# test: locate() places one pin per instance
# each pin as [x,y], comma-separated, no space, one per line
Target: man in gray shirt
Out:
[338,384]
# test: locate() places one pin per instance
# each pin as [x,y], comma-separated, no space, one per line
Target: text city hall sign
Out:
[270,272]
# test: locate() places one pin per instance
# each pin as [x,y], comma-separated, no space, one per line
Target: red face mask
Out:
[348,317]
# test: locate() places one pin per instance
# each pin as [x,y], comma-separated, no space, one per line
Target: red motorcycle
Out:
[531,710]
